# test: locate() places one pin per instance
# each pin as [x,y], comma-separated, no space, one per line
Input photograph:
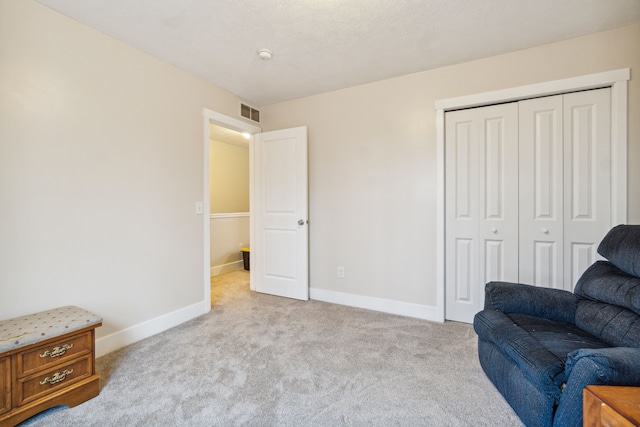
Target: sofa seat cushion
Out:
[539,346]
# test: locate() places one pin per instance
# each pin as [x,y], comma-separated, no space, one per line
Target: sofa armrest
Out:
[605,366]
[552,304]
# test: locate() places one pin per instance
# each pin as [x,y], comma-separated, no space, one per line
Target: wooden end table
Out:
[611,406]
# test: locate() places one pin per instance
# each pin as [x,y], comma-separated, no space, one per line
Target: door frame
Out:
[213,117]
[615,79]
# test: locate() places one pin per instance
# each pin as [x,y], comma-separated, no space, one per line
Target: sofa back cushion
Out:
[621,246]
[613,324]
[604,282]
[609,304]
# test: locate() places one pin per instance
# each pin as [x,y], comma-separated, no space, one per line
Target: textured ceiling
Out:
[323,45]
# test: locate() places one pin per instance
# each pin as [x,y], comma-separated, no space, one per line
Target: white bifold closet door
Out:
[527,194]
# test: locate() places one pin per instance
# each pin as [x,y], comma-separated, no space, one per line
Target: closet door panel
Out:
[587,178]
[462,217]
[540,196]
[481,216]
[498,193]
[545,264]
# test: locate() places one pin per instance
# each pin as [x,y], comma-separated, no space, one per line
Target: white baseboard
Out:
[227,268]
[419,311]
[143,330]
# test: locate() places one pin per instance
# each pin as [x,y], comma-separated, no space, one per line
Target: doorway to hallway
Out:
[229,198]
[278,221]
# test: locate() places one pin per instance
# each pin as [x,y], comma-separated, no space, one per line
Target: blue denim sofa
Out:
[540,347]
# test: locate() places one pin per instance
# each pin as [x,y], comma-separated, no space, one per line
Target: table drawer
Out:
[34,386]
[56,352]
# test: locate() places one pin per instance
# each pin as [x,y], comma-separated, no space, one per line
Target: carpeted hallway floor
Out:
[260,360]
[225,284]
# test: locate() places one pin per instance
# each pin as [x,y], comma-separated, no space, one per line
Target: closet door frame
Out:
[616,80]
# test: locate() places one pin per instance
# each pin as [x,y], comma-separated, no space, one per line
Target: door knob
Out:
[494,230]
[301,222]
[545,231]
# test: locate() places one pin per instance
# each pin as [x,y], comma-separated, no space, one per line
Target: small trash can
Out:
[246,258]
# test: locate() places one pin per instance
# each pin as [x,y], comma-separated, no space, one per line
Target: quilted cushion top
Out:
[34,328]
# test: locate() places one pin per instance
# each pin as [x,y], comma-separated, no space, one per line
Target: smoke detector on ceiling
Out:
[265,54]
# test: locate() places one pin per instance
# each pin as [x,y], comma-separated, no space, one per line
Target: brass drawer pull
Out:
[57,351]
[57,377]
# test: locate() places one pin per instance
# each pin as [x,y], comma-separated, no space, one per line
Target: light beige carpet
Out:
[260,360]
[227,284]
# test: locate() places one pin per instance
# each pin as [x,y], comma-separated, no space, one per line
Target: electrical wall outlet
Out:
[340,272]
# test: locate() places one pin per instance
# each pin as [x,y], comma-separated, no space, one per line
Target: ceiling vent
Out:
[249,113]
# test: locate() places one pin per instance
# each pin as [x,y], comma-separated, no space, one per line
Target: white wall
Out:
[229,177]
[101,163]
[372,163]
[229,233]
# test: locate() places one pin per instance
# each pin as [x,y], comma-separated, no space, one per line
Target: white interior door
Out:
[481,205]
[280,252]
